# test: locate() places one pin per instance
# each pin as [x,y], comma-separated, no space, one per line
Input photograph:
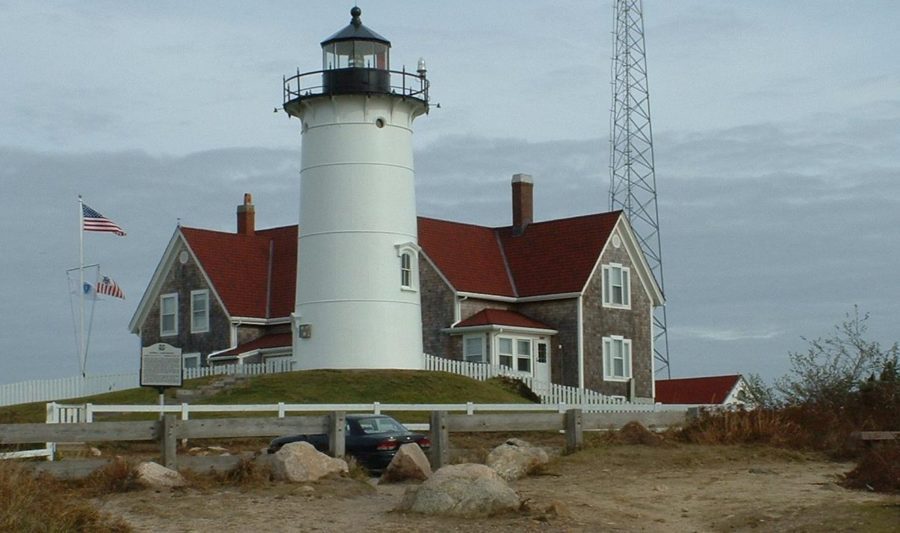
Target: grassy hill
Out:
[315,386]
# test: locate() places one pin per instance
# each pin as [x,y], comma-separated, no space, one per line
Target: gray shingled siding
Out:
[182,279]
[561,315]
[634,324]
[437,313]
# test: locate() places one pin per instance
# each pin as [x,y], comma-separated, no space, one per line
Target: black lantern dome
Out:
[356,59]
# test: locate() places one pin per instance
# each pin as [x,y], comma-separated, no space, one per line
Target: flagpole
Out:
[81,343]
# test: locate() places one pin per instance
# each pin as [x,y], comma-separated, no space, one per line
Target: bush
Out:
[835,368]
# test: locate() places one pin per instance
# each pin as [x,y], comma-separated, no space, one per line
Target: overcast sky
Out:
[776,127]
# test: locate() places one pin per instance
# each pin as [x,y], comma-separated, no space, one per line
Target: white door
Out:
[542,367]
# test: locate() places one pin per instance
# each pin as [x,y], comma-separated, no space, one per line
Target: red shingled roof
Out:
[704,390]
[238,267]
[469,256]
[500,317]
[278,340]
[550,257]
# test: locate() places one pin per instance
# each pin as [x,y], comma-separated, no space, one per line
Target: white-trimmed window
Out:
[473,348]
[408,254]
[616,286]
[505,352]
[523,355]
[406,272]
[191,360]
[616,358]
[168,315]
[200,311]
[514,353]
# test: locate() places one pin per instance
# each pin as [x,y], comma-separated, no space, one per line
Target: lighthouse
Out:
[357,303]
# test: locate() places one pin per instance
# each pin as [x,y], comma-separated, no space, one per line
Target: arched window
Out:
[406,273]
[408,253]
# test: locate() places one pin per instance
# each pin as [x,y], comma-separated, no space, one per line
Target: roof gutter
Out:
[499,328]
[520,299]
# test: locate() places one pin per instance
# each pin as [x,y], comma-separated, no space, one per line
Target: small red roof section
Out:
[240,269]
[552,257]
[703,390]
[469,256]
[277,340]
[500,317]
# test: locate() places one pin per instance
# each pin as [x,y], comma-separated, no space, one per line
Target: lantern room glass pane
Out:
[381,56]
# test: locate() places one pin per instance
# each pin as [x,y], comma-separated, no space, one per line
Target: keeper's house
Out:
[567,301]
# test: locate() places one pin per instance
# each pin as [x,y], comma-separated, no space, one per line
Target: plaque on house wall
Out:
[161,366]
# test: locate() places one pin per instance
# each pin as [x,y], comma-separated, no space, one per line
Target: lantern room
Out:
[356,59]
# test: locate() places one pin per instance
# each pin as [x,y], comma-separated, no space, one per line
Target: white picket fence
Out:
[78,386]
[549,393]
[43,390]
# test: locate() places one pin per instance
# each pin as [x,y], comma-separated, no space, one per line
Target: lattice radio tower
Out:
[632,181]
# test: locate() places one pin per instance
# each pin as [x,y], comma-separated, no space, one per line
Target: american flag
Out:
[94,221]
[110,288]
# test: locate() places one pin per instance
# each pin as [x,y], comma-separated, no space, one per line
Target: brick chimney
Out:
[522,202]
[246,216]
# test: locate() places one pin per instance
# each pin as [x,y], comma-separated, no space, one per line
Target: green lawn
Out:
[314,386]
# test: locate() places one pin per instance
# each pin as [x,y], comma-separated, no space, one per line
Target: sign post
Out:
[161,367]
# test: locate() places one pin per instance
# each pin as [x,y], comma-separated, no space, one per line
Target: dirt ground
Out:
[607,488]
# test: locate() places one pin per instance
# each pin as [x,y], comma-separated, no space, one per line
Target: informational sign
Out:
[161,366]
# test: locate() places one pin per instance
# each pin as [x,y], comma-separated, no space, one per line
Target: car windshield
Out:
[373,425]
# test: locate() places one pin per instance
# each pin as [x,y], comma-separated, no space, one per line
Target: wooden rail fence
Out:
[168,431]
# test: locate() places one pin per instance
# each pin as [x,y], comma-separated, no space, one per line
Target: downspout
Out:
[457,312]
[580,319]
[269,280]
[234,342]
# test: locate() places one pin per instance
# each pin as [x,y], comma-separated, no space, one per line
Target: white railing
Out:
[269,367]
[43,390]
[86,412]
[549,393]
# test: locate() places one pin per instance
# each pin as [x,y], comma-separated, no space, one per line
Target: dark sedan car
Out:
[372,439]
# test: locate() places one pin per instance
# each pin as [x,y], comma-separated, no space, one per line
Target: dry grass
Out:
[878,469]
[38,504]
[761,426]
[248,473]
[119,475]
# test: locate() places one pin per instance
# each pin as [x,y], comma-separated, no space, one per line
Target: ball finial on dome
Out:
[355,12]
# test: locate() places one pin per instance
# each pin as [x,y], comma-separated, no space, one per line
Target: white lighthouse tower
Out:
[358,303]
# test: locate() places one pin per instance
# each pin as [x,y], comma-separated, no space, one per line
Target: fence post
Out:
[280,409]
[336,443]
[89,413]
[440,440]
[168,426]
[52,418]
[574,430]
